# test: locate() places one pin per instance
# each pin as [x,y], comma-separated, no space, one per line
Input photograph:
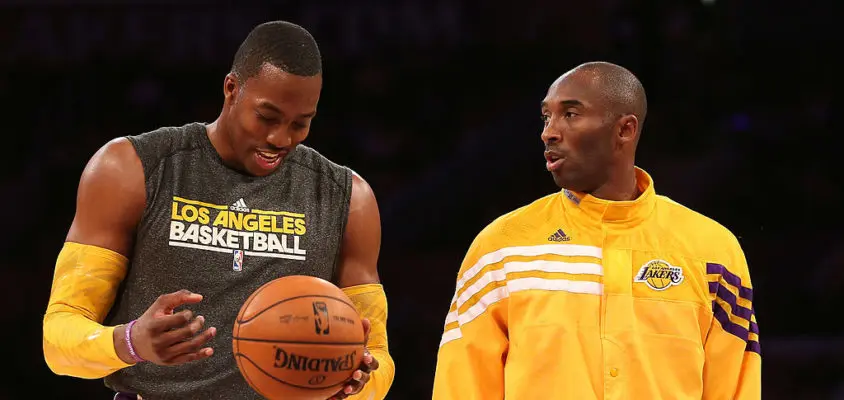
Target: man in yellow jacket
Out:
[604,290]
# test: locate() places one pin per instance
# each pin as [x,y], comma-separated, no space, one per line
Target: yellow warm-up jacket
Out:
[574,297]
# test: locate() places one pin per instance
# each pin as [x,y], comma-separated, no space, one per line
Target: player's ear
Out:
[627,128]
[230,88]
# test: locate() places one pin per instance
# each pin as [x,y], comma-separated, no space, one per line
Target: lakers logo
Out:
[659,275]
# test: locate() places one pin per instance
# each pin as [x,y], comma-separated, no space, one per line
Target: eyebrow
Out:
[267,104]
[565,103]
[272,107]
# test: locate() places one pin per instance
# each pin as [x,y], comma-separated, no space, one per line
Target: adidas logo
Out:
[239,205]
[559,236]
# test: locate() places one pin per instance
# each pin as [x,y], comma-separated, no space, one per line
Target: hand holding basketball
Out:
[361,376]
[167,338]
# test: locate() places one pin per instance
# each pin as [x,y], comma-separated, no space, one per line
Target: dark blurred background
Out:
[436,104]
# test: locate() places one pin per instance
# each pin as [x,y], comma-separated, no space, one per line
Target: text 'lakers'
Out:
[224,228]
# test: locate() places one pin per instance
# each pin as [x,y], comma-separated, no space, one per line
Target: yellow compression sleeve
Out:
[371,302]
[85,284]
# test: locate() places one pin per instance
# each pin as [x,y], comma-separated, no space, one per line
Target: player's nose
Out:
[550,135]
[280,137]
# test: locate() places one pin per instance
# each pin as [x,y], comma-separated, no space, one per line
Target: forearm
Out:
[75,342]
[469,360]
[732,369]
[733,365]
[76,346]
[380,380]
[371,302]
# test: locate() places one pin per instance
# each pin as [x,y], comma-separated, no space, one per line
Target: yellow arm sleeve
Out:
[85,284]
[733,366]
[470,360]
[371,303]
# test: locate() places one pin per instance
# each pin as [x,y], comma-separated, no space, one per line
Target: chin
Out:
[258,172]
[568,182]
[561,181]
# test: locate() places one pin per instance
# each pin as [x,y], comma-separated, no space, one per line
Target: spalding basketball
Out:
[298,337]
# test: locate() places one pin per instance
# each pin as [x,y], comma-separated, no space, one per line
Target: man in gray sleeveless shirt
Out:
[176,227]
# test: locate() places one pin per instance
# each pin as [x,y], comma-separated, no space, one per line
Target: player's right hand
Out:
[165,337]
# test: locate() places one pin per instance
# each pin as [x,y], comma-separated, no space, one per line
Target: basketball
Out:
[298,337]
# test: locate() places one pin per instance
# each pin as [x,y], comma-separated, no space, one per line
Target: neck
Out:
[216,134]
[621,185]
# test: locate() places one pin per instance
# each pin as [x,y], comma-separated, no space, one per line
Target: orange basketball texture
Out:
[298,337]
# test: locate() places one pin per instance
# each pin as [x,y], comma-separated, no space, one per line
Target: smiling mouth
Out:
[268,156]
[269,160]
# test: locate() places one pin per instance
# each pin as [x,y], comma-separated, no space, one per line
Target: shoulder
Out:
[313,162]
[110,198]
[696,224]
[163,142]
[515,227]
[523,219]
[124,163]
[114,158]
[718,249]
[169,136]
[155,146]
[362,197]
[708,237]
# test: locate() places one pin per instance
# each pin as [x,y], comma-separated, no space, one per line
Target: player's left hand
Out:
[361,376]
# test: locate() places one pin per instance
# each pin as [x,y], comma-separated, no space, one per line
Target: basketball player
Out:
[176,227]
[604,290]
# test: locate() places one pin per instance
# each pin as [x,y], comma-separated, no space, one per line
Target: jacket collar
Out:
[615,212]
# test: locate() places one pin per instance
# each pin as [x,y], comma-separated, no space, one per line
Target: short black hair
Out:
[622,88]
[282,44]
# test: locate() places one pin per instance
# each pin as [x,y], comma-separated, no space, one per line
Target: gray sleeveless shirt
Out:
[217,232]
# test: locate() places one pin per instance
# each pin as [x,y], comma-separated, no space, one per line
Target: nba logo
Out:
[237,264]
[321,321]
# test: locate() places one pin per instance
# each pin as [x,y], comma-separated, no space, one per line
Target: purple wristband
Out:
[132,352]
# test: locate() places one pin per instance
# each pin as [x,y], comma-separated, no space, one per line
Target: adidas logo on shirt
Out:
[239,205]
[559,236]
